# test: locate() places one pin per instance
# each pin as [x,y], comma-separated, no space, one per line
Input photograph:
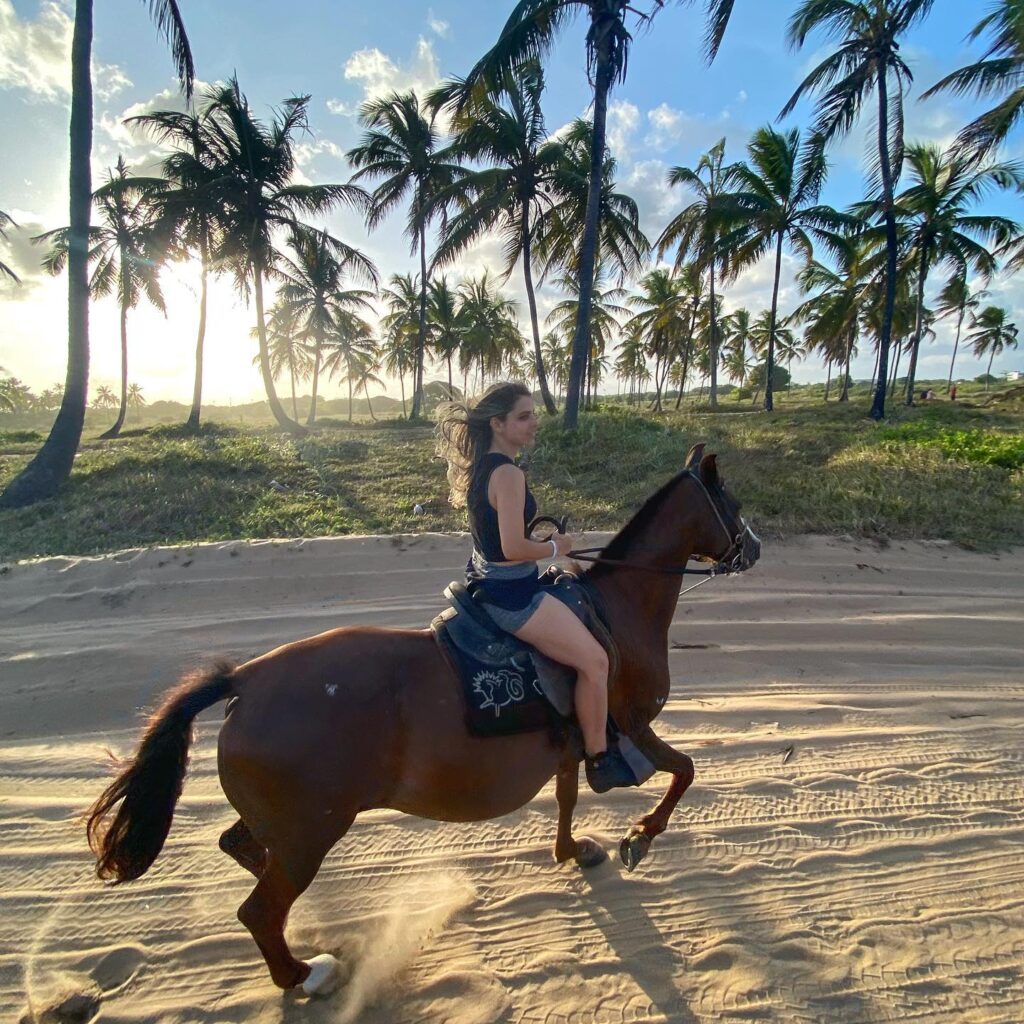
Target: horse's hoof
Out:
[323,975]
[589,853]
[633,849]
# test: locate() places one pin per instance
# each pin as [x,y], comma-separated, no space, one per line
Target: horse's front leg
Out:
[635,844]
[585,851]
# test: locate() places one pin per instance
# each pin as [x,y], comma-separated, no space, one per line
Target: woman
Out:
[480,443]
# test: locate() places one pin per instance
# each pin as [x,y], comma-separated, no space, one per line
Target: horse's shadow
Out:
[616,906]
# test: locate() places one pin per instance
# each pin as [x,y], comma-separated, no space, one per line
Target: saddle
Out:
[510,687]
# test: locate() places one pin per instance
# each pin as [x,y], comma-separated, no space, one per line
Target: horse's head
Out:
[724,536]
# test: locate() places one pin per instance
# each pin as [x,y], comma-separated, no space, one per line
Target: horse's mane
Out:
[618,546]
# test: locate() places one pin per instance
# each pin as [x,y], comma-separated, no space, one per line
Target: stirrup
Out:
[609,770]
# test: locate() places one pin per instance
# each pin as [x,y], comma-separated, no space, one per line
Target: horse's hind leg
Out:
[238,843]
[585,851]
[635,844]
[265,913]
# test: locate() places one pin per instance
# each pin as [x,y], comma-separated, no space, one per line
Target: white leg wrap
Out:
[323,975]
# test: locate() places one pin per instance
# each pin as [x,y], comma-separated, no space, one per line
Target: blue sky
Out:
[670,110]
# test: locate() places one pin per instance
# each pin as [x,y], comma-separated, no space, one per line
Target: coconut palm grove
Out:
[637,317]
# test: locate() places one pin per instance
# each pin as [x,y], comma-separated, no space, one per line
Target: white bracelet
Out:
[554,548]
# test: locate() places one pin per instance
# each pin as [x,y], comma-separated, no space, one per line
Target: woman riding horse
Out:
[320,730]
[480,443]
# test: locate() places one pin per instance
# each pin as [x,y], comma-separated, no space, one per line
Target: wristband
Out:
[554,548]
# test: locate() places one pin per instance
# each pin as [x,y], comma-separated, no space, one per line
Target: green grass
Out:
[945,470]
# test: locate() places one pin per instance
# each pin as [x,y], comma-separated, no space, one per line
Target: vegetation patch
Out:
[950,471]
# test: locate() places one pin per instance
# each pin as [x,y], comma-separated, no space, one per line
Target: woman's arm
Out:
[507,493]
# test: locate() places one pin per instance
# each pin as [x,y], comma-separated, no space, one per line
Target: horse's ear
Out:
[693,456]
[709,470]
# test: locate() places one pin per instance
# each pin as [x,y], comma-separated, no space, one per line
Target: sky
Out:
[670,110]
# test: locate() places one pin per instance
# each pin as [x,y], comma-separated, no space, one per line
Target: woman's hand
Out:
[564,542]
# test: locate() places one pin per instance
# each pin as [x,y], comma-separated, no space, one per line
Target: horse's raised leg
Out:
[238,843]
[635,844]
[585,851]
[265,914]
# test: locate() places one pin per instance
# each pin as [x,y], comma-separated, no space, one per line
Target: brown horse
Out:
[358,718]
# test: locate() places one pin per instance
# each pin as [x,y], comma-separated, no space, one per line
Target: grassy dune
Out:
[943,470]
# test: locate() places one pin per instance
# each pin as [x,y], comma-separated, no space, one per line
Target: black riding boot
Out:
[609,770]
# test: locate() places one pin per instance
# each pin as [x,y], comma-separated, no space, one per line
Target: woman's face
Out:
[519,427]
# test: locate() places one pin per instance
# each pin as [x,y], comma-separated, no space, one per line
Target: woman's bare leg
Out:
[555,631]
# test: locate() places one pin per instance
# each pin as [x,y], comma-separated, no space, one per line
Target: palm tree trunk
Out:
[122,412]
[588,245]
[268,380]
[770,361]
[531,298]
[845,396]
[45,474]
[956,345]
[197,387]
[350,398]
[421,341]
[369,404]
[828,378]
[922,273]
[318,342]
[895,369]
[988,372]
[291,374]
[401,384]
[874,372]
[878,405]
[451,387]
[713,342]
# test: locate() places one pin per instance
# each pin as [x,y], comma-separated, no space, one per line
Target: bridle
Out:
[729,564]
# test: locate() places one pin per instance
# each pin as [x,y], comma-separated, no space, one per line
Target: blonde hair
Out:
[464,433]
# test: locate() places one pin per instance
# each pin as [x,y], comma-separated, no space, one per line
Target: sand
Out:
[852,849]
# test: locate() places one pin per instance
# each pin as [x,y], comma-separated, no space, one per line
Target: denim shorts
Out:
[517,575]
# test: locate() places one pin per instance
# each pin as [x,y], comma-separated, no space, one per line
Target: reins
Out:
[727,565]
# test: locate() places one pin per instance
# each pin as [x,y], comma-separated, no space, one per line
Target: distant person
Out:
[952,393]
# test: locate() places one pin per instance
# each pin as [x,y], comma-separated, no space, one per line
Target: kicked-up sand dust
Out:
[852,849]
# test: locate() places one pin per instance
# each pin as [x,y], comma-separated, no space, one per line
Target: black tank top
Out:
[483,517]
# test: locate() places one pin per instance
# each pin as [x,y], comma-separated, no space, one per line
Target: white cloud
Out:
[35,55]
[623,119]
[437,25]
[379,75]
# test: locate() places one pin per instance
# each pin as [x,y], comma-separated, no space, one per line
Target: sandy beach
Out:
[852,849]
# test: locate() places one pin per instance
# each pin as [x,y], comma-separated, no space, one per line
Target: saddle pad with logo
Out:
[500,699]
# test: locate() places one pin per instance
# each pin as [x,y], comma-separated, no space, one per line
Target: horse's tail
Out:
[148,785]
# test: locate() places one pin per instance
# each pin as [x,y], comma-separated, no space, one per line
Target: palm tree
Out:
[491,338]
[934,209]
[249,170]
[350,348]
[447,320]
[605,307]
[531,31]
[400,148]
[992,332]
[366,374]
[698,233]
[768,335]
[14,396]
[135,396]
[868,58]
[311,285]
[833,314]
[401,325]
[999,73]
[662,321]
[557,357]
[631,362]
[104,398]
[7,221]
[51,466]
[737,336]
[957,297]
[776,202]
[123,250]
[186,214]
[509,196]
[285,347]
